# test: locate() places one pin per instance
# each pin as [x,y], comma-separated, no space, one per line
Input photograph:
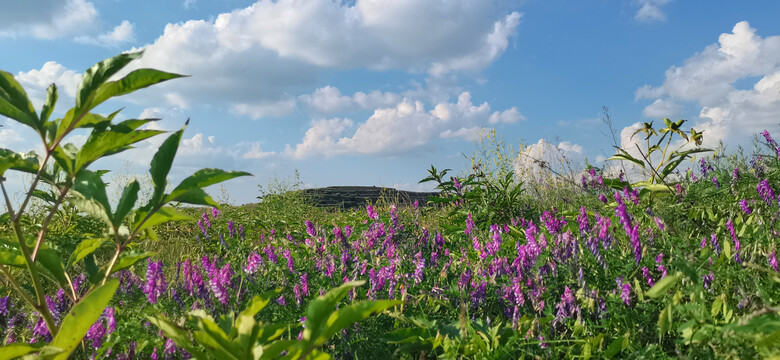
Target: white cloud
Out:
[536,160]
[707,79]
[47,19]
[36,82]
[650,10]
[662,108]
[470,134]
[405,127]
[506,117]
[121,34]
[257,54]
[494,45]
[256,111]
[327,100]
[375,99]
[176,100]
[256,153]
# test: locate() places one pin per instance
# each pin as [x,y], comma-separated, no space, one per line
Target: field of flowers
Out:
[681,264]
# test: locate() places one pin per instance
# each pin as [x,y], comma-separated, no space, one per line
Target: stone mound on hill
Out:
[357,196]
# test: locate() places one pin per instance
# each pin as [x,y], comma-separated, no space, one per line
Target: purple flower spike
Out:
[155,281]
[625,293]
[743,204]
[773,261]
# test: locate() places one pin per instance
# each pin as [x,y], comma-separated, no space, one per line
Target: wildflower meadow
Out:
[676,257]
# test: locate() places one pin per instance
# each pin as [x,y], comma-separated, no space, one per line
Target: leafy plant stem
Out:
[33,186]
[7,200]
[42,233]
[651,167]
[40,304]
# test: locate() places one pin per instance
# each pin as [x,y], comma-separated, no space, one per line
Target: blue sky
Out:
[374,92]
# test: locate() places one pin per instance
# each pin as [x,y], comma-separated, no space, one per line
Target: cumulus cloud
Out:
[279,108]
[329,100]
[402,128]
[47,19]
[650,10]
[544,158]
[121,34]
[256,153]
[662,108]
[36,82]
[257,54]
[707,80]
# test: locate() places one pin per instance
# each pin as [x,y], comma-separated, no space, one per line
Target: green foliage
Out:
[74,185]
[243,337]
[488,199]
[658,171]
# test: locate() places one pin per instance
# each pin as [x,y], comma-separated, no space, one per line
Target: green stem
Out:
[33,186]
[42,233]
[113,262]
[40,305]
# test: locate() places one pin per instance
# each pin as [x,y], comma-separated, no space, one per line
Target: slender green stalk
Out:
[44,227]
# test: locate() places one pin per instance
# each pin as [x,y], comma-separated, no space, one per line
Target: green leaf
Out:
[346,316]
[177,334]
[126,202]
[48,106]
[81,317]
[84,248]
[662,286]
[50,260]
[12,257]
[17,161]
[627,157]
[113,140]
[616,347]
[273,350]
[195,196]
[137,79]
[14,102]
[128,258]
[201,179]
[321,308]
[16,350]
[161,166]
[97,75]
[161,216]
[89,195]
[665,321]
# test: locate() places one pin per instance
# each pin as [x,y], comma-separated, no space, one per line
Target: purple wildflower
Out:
[716,182]
[96,333]
[646,274]
[768,137]
[469,225]
[744,205]
[155,281]
[215,212]
[419,268]
[220,281]
[231,229]
[766,192]
[625,293]
[371,213]
[603,198]
[737,245]
[715,245]
[773,261]
[253,263]
[582,220]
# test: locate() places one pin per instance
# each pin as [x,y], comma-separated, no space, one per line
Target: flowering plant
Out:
[65,168]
